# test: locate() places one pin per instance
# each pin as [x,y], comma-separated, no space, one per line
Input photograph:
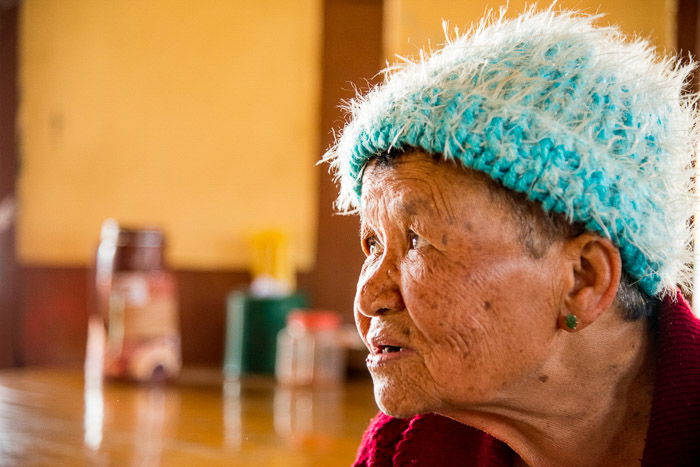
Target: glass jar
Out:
[309,349]
[137,297]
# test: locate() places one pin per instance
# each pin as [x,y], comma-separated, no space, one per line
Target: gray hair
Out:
[538,230]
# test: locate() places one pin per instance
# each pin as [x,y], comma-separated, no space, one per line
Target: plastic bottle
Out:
[309,349]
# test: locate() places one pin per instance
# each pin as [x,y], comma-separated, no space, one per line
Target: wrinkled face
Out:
[453,309]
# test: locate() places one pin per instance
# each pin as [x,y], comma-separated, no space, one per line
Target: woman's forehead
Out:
[403,183]
[416,184]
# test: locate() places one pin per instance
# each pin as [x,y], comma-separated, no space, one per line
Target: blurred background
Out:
[205,119]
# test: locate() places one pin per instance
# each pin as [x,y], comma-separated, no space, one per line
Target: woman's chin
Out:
[397,402]
[396,411]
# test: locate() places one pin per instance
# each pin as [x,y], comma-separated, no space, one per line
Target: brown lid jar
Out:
[139,250]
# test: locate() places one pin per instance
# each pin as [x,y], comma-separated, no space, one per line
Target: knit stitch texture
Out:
[580,119]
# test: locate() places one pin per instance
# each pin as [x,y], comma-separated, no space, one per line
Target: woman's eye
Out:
[413,239]
[372,245]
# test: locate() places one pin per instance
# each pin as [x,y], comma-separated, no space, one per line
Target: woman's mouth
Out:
[385,354]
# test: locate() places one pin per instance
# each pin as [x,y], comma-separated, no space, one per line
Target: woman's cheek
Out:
[427,270]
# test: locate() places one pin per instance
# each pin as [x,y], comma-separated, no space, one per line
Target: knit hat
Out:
[581,120]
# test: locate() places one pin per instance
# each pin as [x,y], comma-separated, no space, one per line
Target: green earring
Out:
[571,321]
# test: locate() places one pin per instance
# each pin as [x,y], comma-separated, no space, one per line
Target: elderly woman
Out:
[524,203]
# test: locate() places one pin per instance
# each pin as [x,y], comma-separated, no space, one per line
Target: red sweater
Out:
[673,438]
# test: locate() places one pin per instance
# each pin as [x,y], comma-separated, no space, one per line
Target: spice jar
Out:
[137,297]
[309,349]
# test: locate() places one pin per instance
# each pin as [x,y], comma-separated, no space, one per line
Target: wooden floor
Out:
[52,417]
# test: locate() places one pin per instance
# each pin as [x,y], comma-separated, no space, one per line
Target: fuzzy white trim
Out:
[649,164]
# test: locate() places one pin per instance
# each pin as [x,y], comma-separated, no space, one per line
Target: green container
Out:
[252,325]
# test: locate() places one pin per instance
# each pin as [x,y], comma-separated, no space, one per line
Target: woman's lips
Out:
[384,356]
[385,349]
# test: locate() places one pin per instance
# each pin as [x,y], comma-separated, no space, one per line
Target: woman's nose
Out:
[378,290]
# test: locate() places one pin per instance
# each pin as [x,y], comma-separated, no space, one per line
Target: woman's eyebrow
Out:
[364,229]
[420,226]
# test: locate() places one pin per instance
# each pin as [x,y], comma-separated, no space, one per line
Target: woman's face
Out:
[453,309]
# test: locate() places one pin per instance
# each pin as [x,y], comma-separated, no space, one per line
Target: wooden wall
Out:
[54,300]
[43,310]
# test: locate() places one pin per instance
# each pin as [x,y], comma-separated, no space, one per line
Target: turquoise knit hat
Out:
[574,116]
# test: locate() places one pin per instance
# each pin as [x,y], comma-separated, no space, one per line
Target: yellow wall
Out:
[200,117]
[413,24]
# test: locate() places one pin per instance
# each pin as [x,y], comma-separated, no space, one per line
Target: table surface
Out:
[52,417]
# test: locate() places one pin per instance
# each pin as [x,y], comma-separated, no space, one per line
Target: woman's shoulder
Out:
[428,439]
[674,427]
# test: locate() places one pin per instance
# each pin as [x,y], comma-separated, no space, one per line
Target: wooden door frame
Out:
[9,277]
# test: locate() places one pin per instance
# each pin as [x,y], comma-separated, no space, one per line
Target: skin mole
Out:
[410,208]
[543,378]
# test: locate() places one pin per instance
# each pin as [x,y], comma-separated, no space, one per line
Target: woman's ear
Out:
[593,271]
